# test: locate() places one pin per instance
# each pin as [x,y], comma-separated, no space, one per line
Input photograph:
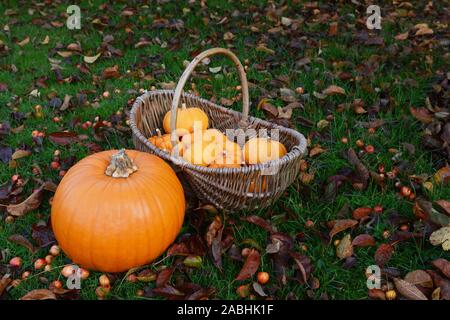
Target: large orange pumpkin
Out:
[115,210]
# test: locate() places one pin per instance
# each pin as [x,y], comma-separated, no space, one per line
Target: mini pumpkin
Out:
[188,119]
[159,139]
[260,150]
[206,136]
[224,161]
[116,210]
[163,142]
[201,154]
[228,155]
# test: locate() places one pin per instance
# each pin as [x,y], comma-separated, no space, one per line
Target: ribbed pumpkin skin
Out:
[114,224]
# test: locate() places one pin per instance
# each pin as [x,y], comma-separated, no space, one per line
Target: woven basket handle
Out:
[187,72]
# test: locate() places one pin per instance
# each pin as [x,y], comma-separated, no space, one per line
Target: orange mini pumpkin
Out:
[188,119]
[260,150]
[163,142]
[115,210]
[228,155]
[206,136]
[201,154]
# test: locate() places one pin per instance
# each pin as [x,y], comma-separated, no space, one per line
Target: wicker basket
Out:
[226,188]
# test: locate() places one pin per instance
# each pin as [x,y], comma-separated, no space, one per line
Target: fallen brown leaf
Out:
[362,212]
[29,204]
[422,114]
[111,72]
[22,241]
[39,294]
[332,90]
[341,225]
[316,150]
[419,277]
[409,290]
[363,240]
[4,282]
[443,266]
[251,265]
[213,229]
[383,254]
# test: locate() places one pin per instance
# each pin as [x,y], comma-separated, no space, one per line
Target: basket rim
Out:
[296,151]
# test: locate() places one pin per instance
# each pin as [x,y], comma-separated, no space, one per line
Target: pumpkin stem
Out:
[183,106]
[121,166]
[159,133]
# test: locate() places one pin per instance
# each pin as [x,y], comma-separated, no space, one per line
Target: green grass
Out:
[32,62]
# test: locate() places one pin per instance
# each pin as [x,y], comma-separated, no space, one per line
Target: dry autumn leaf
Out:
[441,237]
[4,282]
[20,154]
[442,176]
[445,205]
[362,212]
[22,241]
[63,138]
[65,54]
[39,294]
[333,90]
[409,290]
[92,59]
[422,114]
[316,150]
[111,72]
[251,265]
[402,36]
[419,277]
[424,30]
[345,247]
[213,229]
[46,40]
[25,41]
[363,240]
[443,266]
[30,203]
[341,225]
[383,254]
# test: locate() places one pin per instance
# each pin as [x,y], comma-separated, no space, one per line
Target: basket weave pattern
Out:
[226,188]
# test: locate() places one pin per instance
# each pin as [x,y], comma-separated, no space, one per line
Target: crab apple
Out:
[16,262]
[405,191]
[263,277]
[39,263]
[55,250]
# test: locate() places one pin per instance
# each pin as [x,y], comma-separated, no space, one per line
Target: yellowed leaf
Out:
[263,48]
[64,54]
[441,237]
[228,36]
[20,154]
[24,42]
[46,40]
[322,124]
[442,175]
[345,247]
[424,31]
[92,59]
